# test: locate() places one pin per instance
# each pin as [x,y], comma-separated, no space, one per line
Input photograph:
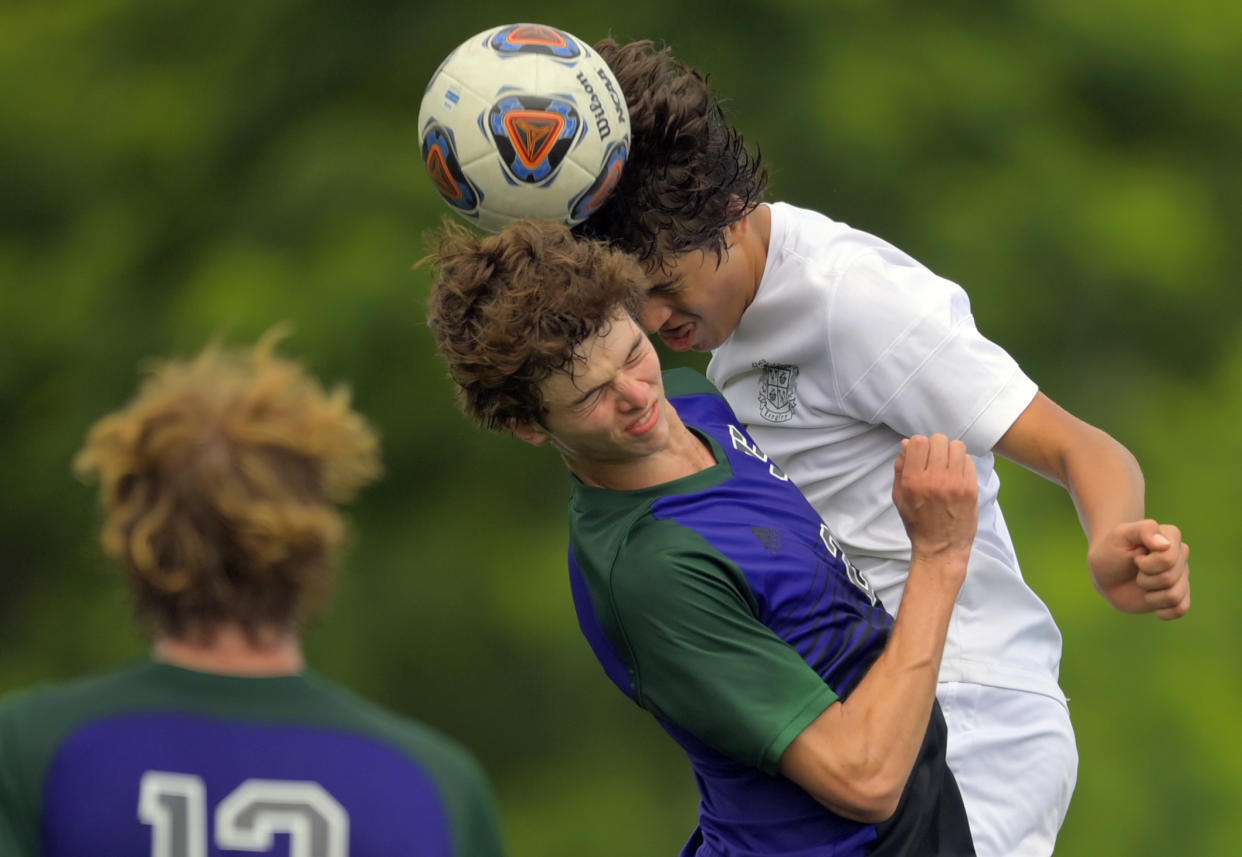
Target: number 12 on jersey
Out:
[249,817]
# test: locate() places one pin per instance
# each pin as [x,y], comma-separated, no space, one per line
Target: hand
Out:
[936,491]
[1141,567]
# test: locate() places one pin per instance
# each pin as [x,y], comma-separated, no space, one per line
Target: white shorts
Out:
[1015,761]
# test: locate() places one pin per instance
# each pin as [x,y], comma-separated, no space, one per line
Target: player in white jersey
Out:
[832,346]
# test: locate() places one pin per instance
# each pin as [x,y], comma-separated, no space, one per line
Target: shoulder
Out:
[882,300]
[54,708]
[441,754]
[835,253]
[460,779]
[819,276]
[37,722]
[812,241]
[19,711]
[698,401]
[666,567]
[687,382]
[888,275]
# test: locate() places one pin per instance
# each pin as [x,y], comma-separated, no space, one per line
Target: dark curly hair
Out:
[689,173]
[508,310]
[220,483]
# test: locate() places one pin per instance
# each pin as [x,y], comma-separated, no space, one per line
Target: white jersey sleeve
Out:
[905,352]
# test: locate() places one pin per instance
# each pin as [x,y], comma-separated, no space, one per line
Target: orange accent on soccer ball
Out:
[614,176]
[441,175]
[537,34]
[534,133]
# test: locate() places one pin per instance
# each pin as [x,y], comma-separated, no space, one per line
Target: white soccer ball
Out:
[524,120]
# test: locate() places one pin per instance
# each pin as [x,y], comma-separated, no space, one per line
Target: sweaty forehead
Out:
[567,383]
[595,360]
[668,274]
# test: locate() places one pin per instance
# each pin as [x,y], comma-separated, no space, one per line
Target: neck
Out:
[684,455]
[758,235]
[230,651]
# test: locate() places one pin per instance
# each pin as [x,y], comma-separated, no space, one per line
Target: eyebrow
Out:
[586,394]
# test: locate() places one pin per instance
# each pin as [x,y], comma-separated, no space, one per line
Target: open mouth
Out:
[679,338]
[646,422]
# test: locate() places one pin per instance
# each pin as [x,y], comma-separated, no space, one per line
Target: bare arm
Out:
[1137,564]
[856,757]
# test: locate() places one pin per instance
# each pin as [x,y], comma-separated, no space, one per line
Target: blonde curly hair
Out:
[220,483]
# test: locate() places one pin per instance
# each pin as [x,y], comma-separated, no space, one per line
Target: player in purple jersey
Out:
[220,485]
[711,592]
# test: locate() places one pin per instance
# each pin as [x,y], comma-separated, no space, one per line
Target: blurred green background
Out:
[176,170]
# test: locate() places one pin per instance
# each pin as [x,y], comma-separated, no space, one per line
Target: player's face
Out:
[611,407]
[695,303]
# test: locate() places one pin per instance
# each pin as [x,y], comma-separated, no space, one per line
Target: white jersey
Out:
[849,346]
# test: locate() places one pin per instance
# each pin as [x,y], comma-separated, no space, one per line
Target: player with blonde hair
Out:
[220,483]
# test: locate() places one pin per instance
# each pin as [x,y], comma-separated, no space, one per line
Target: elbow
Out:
[855,773]
[865,796]
[873,800]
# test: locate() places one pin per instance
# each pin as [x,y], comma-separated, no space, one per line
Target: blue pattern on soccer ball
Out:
[536,98]
[535,39]
[446,172]
[547,165]
[591,199]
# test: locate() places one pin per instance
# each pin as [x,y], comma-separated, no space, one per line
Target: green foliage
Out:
[178,171]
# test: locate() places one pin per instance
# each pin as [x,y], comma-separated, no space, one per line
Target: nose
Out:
[654,313]
[631,391]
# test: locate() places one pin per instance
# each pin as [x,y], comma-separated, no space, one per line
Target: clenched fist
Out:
[936,490]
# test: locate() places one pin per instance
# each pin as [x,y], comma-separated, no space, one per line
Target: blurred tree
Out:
[179,170]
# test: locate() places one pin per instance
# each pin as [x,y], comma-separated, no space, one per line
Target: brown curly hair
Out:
[219,482]
[689,173]
[508,310]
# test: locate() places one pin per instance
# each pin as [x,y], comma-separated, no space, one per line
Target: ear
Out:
[533,434]
[737,230]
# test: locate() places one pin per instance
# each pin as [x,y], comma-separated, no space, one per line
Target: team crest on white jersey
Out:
[778,391]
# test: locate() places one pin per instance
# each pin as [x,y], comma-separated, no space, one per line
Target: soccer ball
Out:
[524,120]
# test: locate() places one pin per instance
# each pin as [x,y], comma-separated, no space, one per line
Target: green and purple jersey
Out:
[157,760]
[722,604]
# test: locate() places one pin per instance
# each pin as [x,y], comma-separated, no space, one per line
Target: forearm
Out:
[1138,565]
[890,708]
[1102,477]
[1105,482]
[857,756]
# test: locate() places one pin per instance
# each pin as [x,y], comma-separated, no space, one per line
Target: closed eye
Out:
[587,399]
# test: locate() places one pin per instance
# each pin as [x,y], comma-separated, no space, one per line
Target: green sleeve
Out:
[688,626]
[462,783]
[687,382]
[18,825]
[475,819]
[8,836]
